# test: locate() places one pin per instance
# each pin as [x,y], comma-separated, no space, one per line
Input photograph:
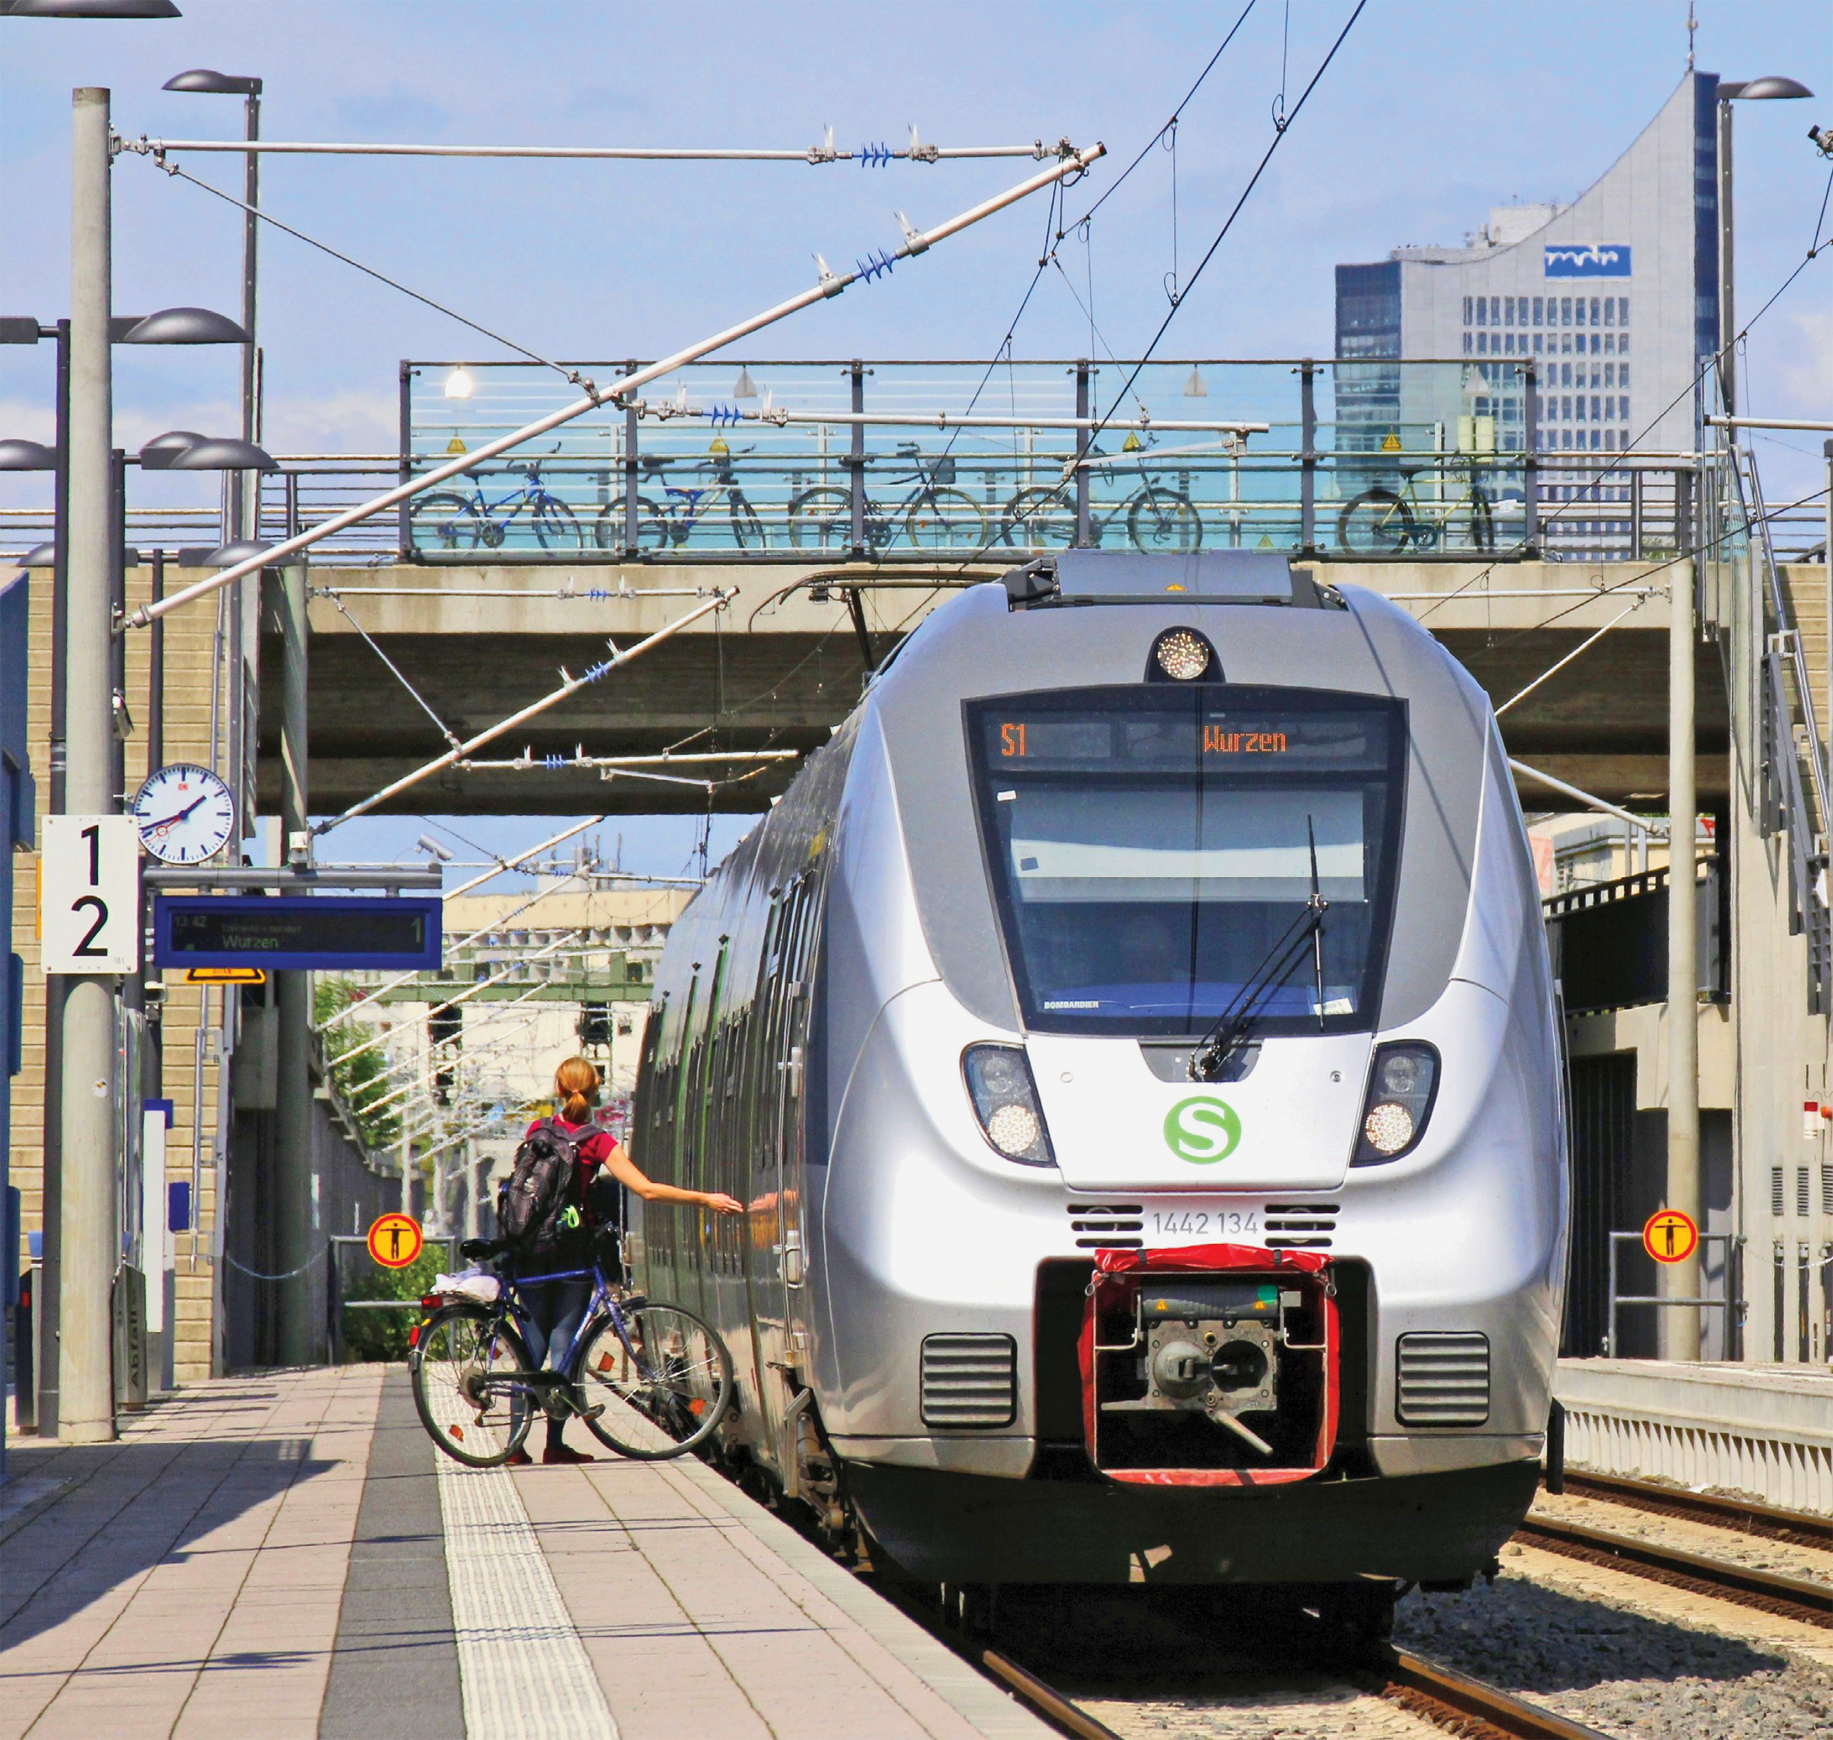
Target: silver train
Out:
[1133,1037]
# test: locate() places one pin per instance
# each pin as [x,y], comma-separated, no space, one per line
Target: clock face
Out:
[185,814]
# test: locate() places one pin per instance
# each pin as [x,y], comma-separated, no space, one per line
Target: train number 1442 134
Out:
[1195,1223]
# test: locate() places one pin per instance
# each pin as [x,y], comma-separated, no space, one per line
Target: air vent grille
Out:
[970,1380]
[1444,1380]
[1299,1225]
[1107,1226]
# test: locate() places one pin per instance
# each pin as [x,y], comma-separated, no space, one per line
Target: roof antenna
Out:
[1692,25]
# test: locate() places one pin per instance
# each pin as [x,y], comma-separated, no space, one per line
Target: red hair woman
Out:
[556,1308]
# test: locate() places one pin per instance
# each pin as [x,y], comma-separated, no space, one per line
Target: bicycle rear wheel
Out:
[1040,519]
[470,1380]
[664,1392]
[445,521]
[946,519]
[1482,521]
[747,527]
[556,526]
[1376,520]
[821,518]
[1163,519]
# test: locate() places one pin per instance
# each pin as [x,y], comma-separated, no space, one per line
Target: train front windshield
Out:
[1150,847]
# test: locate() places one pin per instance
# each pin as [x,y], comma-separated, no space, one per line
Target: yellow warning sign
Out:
[1670,1236]
[457,445]
[225,975]
[395,1240]
[1390,443]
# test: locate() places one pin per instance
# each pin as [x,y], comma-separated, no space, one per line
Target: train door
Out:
[777,1206]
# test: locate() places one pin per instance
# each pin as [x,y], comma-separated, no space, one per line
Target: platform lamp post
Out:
[205,82]
[1680,1327]
[1767,89]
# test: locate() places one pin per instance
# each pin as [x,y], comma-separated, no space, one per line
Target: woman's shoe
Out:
[520,1458]
[564,1453]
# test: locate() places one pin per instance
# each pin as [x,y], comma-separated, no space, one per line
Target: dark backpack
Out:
[539,1206]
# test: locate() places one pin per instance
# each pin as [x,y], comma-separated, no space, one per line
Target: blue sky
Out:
[1431,114]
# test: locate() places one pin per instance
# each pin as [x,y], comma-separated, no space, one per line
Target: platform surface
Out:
[287,1555]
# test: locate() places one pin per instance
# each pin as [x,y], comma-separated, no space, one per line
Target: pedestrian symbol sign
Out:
[395,1240]
[1669,1236]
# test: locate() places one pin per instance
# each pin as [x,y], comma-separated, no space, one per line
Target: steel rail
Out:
[1454,1700]
[830,284]
[1747,1516]
[1793,1597]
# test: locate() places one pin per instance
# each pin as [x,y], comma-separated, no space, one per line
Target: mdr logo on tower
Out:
[1587,260]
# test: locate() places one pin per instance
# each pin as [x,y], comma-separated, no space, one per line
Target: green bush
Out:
[383,1334]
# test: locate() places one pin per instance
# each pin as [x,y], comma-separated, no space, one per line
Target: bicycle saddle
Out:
[478,1249]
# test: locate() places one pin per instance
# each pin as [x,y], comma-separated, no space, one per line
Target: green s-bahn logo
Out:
[1202,1129]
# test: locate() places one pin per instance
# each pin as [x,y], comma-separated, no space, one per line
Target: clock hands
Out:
[161,829]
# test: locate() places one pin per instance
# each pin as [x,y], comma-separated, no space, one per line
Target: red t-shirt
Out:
[593,1149]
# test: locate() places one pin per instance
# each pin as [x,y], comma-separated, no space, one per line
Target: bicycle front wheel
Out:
[1162,519]
[662,1387]
[470,1379]
[946,519]
[821,519]
[747,527]
[556,526]
[444,521]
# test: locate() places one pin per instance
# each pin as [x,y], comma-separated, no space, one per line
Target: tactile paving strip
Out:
[525,1674]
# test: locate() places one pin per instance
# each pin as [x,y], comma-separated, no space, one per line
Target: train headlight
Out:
[1401,1088]
[999,1083]
[1181,655]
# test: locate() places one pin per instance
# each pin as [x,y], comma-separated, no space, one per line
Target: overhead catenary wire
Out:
[830,284]
[870,155]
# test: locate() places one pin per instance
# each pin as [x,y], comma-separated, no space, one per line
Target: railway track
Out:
[1701,1573]
[1469,1708]
[1745,1515]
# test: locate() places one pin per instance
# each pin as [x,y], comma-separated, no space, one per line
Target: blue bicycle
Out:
[446,520]
[650,1381]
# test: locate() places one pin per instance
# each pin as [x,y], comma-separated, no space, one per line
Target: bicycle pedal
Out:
[593,1412]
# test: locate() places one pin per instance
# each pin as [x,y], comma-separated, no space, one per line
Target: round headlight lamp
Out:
[1014,1129]
[1388,1127]
[1181,655]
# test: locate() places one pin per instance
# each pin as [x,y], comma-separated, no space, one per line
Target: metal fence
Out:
[916,461]
[761,460]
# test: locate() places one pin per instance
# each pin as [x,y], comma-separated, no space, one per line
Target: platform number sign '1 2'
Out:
[89,895]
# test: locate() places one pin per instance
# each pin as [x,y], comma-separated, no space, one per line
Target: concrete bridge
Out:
[784,663]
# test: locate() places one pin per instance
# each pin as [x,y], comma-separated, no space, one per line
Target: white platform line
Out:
[524,1672]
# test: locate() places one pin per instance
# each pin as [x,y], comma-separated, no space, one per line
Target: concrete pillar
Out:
[296,1242]
[1679,1326]
[88,1244]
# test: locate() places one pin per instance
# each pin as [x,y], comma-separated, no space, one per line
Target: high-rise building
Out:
[1614,296]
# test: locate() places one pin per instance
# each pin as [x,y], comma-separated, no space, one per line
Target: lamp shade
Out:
[39,556]
[90,9]
[1768,88]
[222,453]
[230,554]
[27,456]
[186,326]
[158,454]
[213,84]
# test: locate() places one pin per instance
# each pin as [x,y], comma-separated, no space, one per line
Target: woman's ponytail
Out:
[576,1084]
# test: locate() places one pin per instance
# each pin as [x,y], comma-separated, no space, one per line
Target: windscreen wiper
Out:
[1233,1026]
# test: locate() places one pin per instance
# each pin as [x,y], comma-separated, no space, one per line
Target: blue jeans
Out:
[555,1311]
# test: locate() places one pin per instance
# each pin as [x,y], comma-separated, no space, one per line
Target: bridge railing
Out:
[927,461]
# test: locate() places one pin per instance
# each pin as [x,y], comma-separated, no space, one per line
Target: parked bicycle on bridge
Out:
[668,524]
[447,520]
[933,516]
[1157,518]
